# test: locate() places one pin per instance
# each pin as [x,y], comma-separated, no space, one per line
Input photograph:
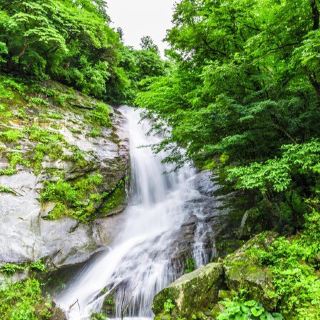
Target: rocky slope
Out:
[63,173]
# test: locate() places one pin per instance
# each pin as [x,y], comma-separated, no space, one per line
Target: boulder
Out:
[242,271]
[202,290]
[192,292]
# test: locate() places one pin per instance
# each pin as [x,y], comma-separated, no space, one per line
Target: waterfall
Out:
[138,264]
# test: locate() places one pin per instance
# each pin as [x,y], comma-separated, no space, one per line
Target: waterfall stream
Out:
[139,262]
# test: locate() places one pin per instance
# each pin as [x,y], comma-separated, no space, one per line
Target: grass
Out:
[113,199]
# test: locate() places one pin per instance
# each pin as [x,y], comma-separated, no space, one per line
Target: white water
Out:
[138,263]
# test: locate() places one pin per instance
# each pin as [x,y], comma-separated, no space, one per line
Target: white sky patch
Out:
[139,18]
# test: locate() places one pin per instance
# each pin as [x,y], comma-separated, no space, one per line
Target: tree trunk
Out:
[315,14]
[315,84]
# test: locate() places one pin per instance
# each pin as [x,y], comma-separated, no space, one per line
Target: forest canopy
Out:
[71,41]
[243,94]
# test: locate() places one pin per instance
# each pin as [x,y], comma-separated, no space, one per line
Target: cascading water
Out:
[138,264]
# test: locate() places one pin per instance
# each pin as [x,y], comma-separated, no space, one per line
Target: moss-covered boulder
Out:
[242,271]
[201,292]
[192,292]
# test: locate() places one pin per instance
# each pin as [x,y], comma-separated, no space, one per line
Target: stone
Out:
[242,271]
[193,292]
[57,314]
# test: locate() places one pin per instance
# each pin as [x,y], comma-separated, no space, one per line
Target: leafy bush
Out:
[239,309]
[24,301]
[278,174]
[168,306]
[294,264]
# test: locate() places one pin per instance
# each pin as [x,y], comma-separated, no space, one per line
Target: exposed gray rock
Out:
[25,234]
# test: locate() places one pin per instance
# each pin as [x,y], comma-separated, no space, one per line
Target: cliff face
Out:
[63,173]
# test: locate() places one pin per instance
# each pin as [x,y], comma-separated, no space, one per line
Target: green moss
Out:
[77,157]
[8,172]
[52,150]
[190,265]
[114,199]
[15,159]
[55,116]
[38,134]
[77,199]
[100,115]
[5,113]
[38,101]
[95,132]
[38,266]
[12,268]
[192,293]
[11,135]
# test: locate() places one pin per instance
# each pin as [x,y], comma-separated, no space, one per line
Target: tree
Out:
[148,44]
[69,41]
[245,83]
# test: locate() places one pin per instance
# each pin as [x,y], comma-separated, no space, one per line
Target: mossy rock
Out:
[193,292]
[115,201]
[242,271]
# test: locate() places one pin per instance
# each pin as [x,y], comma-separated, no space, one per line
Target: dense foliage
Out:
[24,301]
[242,94]
[294,263]
[72,42]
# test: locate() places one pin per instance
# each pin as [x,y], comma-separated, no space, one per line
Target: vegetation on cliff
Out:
[241,92]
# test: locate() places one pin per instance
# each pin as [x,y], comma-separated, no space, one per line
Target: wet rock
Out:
[196,238]
[25,236]
[192,292]
[57,313]
[205,183]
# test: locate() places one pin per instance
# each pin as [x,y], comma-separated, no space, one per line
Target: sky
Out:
[138,18]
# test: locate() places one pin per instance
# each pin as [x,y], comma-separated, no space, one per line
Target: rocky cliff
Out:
[63,173]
